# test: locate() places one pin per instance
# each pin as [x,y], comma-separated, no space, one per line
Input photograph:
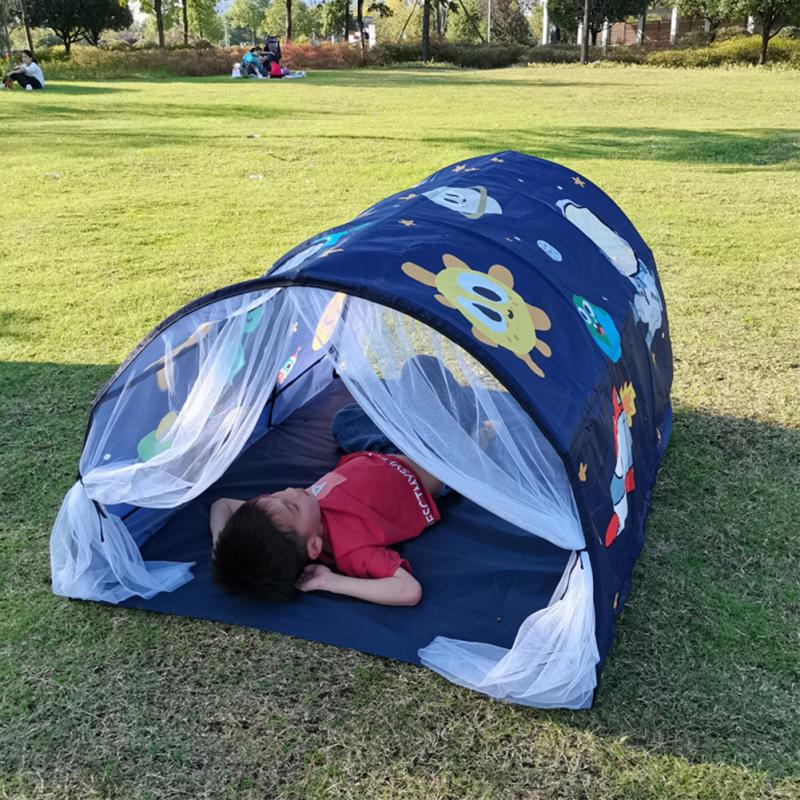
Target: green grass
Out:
[125,200]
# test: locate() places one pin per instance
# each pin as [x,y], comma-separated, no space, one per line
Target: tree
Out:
[427,7]
[771,16]
[155,7]
[568,14]
[334,16]
[65,17]
[712,11]
[185,19]
[404,20]
[274,21]
[468,25]
[73,20]
[203,19]
[248,14]
[509,25]
[102,15]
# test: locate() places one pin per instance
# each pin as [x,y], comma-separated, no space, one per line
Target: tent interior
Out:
[481,576]
[234,397]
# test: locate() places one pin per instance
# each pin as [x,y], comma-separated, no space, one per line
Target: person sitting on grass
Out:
[348,519]
[28,74]
[251,64]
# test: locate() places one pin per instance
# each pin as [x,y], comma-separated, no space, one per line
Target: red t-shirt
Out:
[369,502]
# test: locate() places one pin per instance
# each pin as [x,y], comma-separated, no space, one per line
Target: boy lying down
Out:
[265,547]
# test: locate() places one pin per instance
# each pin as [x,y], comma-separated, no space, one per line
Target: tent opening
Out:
[235,398]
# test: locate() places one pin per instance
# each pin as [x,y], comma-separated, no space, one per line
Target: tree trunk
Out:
[585,33]
[426,30]
[6,37]
[159,22]
[347,22]
[360,21]
[253,31]
[288,20]
[26,25]
[767,21]
[186,22]
[594,38]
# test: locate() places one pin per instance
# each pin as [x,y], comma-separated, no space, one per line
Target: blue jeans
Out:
[354,431]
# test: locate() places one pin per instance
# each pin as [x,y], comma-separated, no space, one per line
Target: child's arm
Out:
[402,589]
[221,512]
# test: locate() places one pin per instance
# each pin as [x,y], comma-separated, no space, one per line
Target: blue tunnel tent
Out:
[503,324]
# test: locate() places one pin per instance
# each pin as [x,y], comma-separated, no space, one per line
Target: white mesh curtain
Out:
[441,408]
[93,555]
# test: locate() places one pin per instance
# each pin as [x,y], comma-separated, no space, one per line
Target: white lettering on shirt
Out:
[414,484]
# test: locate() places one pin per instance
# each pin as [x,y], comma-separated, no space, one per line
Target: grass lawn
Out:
[125,200]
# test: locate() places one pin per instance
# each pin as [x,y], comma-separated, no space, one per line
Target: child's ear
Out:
[314,547]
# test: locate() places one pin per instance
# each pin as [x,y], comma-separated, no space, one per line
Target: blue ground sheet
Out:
[480,575]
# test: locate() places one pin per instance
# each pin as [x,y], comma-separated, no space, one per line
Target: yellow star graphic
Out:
[582,472]
[578,182]
[332,250]
[498,161]
[460,168]
[407,222]
[294,327]
[410,196]
[472,169]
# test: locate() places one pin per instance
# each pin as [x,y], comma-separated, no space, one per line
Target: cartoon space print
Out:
[622,481]
[166,375]
[327,322]
[601,327]
[320,246]
[613,246]
[647,304]
[288,366]
[157,441]
[251,322]
[499,316]
[472,202]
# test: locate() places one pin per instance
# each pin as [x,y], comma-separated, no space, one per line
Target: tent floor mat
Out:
[481,576]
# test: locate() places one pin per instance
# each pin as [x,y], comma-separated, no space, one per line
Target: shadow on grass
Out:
[705,665]
[69,88]
[369,78]
[760,146]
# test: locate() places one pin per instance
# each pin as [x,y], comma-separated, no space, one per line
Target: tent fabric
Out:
[475,251]
[481,575]
[521,265]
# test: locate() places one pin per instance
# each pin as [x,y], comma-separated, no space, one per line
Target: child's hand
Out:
[315,577]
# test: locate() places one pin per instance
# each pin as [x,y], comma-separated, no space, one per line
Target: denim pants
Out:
[354,431]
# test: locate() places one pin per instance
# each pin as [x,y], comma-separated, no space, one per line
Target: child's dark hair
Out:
[253,558]
[29,53]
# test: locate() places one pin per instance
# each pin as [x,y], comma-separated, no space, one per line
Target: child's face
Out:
[293,510]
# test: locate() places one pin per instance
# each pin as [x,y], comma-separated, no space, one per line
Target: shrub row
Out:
[459,55]
[740,50]
[87,63]
[91,62]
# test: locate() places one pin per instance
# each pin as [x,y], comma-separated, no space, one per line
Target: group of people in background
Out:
[28,74]
[263,62]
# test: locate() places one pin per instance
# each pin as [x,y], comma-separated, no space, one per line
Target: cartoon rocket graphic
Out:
[471,203]
[622,481]
[288,366]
